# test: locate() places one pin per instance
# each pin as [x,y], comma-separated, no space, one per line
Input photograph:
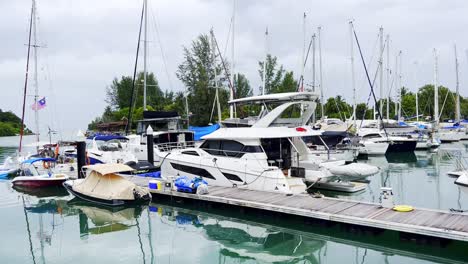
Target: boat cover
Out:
[102,183]
[203,131]
[354,170]
[31,161]
[108,168]
[107,137]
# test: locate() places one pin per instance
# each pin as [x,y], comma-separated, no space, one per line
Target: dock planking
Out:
[432,223]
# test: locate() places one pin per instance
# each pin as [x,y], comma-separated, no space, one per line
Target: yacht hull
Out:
[402,146]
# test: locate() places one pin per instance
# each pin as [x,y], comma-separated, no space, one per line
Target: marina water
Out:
[51,227]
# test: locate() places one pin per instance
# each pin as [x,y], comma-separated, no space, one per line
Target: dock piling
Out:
[150,145]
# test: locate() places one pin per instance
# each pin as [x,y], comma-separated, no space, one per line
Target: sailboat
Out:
[12,164]
[169,133]
[446,133]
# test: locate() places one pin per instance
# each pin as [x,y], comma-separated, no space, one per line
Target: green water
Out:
[51,227]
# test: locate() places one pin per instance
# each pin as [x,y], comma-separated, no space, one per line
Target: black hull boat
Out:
[402,146]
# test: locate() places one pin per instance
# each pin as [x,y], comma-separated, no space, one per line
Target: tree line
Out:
[10,124]
[202,72]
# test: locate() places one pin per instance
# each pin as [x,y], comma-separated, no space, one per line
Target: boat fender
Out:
[46,164]
[403,208]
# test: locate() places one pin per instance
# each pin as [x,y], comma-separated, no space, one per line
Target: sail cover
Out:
[106,185]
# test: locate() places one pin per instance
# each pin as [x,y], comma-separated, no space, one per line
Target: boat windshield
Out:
[111,145]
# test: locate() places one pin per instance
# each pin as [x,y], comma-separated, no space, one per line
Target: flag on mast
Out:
[39,104]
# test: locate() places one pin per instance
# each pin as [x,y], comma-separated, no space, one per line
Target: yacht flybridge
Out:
[269,103]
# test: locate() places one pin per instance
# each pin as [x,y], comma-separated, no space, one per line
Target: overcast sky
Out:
[88,43]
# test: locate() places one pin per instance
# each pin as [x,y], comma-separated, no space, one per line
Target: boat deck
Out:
[432,223]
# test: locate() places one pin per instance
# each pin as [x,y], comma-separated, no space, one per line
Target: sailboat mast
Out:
[399,84]
[322,113]
[353,84]
[388,76]
[215,82]
[303,50]
[231,94]
[417,90]
[36,83]
[145,50]
[26,79]
[381,69]
[265,62]
[313,63]
[436,92]
[395,75]
[457,84]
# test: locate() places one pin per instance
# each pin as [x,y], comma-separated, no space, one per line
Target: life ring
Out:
[403,208]
[56,150]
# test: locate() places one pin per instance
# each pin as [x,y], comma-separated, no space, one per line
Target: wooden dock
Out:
[427,222]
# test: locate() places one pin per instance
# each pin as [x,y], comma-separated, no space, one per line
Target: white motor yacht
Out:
[269,156]
[108,149]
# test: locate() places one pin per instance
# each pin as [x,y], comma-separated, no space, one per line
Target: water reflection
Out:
[163,233]
[244,241]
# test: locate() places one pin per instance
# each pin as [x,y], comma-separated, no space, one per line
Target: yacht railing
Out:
[166,147]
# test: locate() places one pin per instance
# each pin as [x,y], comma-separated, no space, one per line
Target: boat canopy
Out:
[107,137]
[107,186]
[203,131]
[108,168]
[262,132]
[31,161]
[279,97]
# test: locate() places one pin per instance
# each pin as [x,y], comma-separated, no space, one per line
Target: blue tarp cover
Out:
[31,161]
[107,137]
[184,182]
[454,126]
[203,131]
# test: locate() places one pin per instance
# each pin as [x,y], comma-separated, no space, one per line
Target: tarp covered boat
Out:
[104,186]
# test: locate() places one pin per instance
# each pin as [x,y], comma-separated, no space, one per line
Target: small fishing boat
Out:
[104,186]
[37,173]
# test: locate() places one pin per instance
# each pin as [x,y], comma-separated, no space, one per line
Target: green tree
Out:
[336,107]
[242,86]
[288,84]
[197,72]
[274,74]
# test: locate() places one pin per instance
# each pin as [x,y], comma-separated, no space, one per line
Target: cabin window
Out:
[190,152]
[228,148]
[252,149]
[212,146]
[372,136]
[232,148]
